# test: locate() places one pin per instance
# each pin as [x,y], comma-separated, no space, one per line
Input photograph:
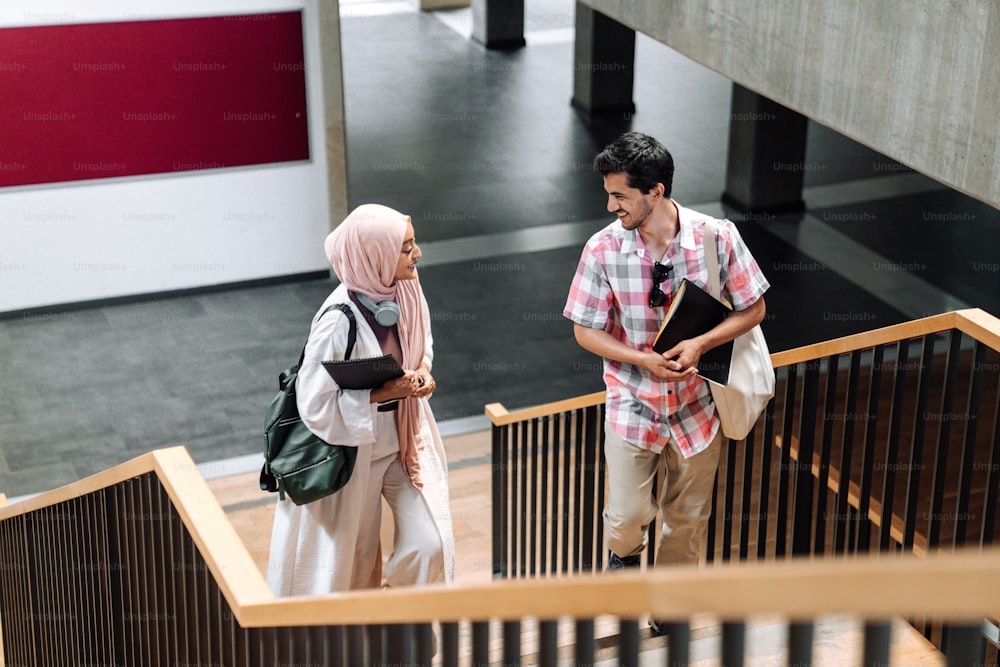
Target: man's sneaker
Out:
[659,628]
[616,562]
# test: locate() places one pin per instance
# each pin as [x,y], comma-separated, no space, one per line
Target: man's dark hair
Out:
[644,161]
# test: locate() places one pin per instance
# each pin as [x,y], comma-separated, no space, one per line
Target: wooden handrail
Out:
[140,465]
[499,416]
[975,322]
[960,585]
[952,585]
[222,548]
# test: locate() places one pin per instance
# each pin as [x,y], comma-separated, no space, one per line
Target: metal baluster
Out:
[800,643]
[941,447]
[501,523]
[425,639]
[628,642]
[745,499]
[545,520]
[584,643]
[844,531]
[678,644]
[713,521]
[877,637]
[728,522]
[892,445]
[601,467]
[578,500]
[968,454]
[588,471]
[518,549]
[733,643]
[764,493]
[868,453]
[522,518]
[480,644]
[802,505]
[548,648]
[917,443]
[511,643]
[964,646]
[533,519]
[355,645]
[567,454]
[992,481]
[787,428]
[826,454]
[449,645]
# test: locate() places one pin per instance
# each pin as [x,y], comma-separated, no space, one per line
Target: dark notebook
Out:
[692,312]
[368,373]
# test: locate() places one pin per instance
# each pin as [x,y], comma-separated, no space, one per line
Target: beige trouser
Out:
[416,556]
[684,499]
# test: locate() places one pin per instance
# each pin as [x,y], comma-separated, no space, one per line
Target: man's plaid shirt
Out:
[610,291]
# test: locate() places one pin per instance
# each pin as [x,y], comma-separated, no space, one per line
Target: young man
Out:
[659,411]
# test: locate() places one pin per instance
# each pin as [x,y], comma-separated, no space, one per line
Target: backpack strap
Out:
[711,249]
[352,333]
[712,259]
[352,337]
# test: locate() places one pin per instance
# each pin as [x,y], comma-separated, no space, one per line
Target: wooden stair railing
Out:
[892,444]
[138,566]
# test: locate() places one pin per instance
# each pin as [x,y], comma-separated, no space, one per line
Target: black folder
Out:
[692,312]
[367,373]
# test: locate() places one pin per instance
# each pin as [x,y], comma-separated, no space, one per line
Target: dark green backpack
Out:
[297,463]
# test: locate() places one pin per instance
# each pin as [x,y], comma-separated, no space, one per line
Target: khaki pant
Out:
[685,498]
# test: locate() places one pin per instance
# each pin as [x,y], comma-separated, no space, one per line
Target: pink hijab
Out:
[363,251]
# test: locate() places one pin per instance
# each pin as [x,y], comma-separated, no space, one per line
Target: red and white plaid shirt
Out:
[610,291]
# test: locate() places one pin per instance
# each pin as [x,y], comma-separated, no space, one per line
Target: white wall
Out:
[115,237]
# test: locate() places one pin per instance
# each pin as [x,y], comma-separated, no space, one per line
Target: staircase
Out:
[812,558]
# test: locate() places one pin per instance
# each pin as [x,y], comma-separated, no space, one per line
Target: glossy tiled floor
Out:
[484,151]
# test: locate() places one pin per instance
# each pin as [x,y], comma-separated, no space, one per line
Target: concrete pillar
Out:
[332,67]
[604,64]
[498,24]
[767,149]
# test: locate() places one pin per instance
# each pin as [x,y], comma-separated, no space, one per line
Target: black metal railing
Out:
[889,447]
[138,572]
[115,578]
[548,494]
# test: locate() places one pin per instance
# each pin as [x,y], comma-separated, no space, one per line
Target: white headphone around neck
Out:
[386,312]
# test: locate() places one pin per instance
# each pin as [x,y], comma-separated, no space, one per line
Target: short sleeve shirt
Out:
[610,291]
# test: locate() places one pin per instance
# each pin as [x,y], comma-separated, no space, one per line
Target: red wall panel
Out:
[107,100]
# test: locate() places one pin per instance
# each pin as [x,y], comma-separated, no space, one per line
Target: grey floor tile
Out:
[44,478]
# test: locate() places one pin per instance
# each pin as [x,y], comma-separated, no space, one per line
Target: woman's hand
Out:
[397,388]
[425,383]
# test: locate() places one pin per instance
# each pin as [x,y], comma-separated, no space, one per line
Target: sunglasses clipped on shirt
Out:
[660,273]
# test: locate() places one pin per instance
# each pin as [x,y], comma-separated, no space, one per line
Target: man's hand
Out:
[685,355]
[666,368]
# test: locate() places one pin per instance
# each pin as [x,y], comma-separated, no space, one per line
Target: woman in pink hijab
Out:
[333,544]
